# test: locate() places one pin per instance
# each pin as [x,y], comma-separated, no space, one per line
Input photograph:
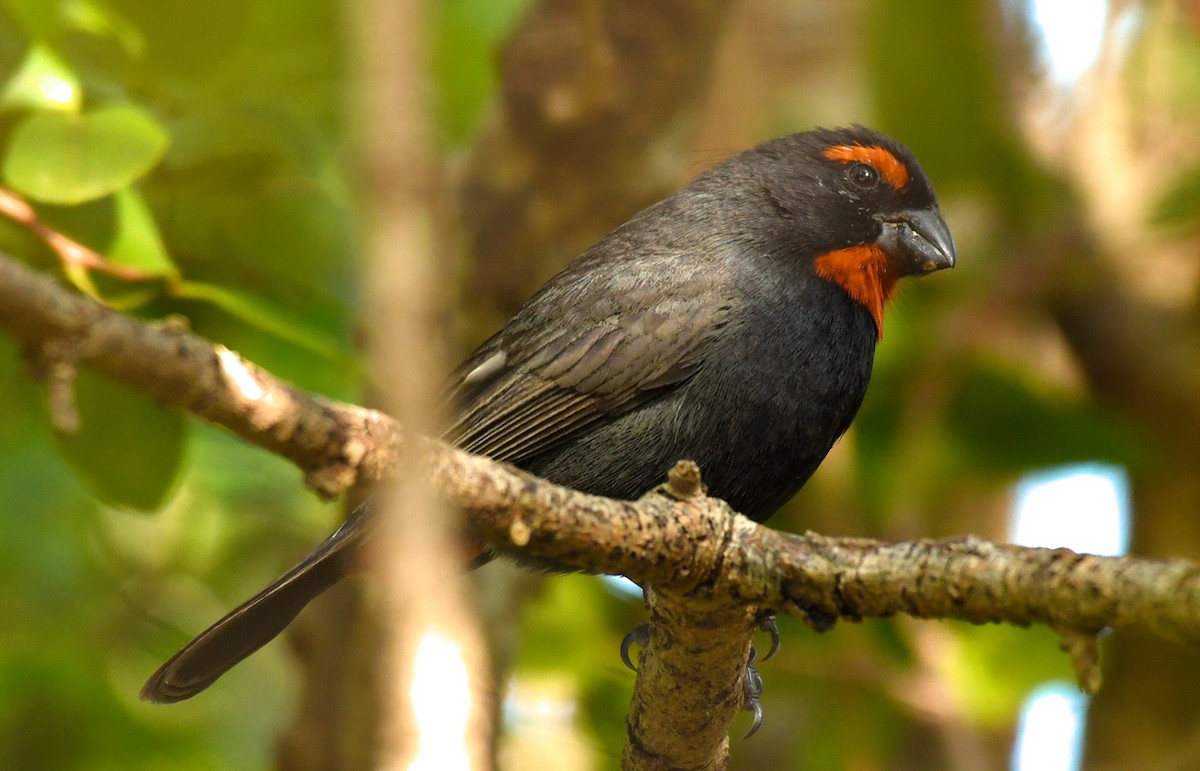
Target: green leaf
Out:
[266,316]
[137,243]
[68,159]
[42,82]
[127,449]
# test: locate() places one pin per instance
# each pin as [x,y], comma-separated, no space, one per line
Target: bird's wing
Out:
[565,364]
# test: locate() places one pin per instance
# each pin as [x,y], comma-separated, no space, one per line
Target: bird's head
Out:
[858,205]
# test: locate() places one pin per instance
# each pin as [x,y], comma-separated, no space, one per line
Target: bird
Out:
[733,323]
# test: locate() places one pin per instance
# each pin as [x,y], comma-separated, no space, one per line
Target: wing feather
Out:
[586,349]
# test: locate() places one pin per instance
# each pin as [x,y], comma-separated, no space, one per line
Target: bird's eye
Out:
[863,175]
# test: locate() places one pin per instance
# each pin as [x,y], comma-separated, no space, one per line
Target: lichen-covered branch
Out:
[699,548]
[709,567]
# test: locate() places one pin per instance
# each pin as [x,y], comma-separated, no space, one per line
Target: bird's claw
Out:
[752,688]
[639,636]
[766,623]
[752,684]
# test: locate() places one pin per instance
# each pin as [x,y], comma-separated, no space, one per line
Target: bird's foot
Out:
[766,623]
[752,688]
[639,636]
[752,683]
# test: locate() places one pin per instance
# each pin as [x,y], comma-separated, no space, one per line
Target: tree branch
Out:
[331,442]
[709,567]
[699,548]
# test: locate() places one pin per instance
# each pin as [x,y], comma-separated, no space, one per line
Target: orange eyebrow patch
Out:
[888,165]
[866,273]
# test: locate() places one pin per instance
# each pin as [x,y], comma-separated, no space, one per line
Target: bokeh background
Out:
[1054,373]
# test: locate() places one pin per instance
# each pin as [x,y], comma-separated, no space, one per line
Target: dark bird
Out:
[733,324]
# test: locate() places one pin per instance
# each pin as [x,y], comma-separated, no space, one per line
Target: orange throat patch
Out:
[866,273]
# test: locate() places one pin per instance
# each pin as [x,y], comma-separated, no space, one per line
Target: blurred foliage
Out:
[202,146]
[466,35]
[915,91]
[205,147]
[106,411]
[1180,206]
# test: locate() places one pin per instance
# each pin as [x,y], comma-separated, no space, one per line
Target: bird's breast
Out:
[780,389]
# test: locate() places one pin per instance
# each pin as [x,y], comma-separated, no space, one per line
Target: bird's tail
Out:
[259,619]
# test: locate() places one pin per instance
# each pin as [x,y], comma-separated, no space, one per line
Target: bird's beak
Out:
[918,240]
